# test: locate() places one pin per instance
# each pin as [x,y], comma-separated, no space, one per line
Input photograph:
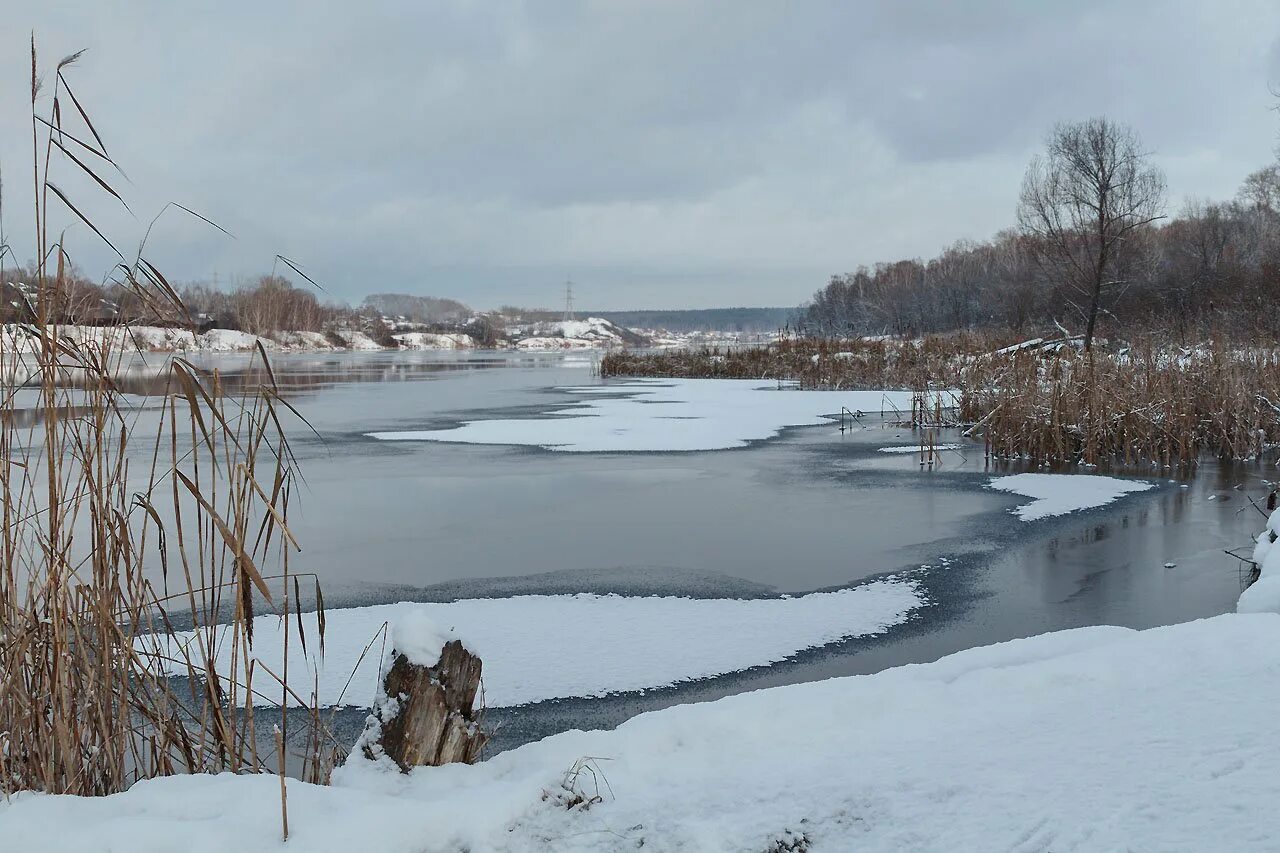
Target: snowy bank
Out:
[591,333]
[169,339]
[538,647]
[430,340]
[665,415]
[1263,595]
[1096,739]
[1059,494]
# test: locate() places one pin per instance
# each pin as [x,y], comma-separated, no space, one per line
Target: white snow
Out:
[1263,595]
[429,340]
[167,339]
[538,647]
[665,415]
[1034,342]
[303,340]
[419,639]
[546,343]
[1059,494]
[1096,739]
[591,333]
[915,448]
[229,340]
[358,340]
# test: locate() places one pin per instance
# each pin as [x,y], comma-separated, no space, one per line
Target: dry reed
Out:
[119,514]
[1047,401]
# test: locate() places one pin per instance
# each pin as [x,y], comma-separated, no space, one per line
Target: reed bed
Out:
[121,515]
[1049,402]
[1145,405]
[830,363]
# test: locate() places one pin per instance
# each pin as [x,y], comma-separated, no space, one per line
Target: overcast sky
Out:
[662,154]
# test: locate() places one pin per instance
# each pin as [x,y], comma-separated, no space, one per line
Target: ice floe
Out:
[538,647]
[1059,494]
[665,415]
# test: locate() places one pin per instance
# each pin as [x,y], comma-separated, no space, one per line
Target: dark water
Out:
[811,509]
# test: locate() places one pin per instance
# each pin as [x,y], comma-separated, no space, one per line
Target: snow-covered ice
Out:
[915,448]
[1059,494]
[538,647]
[665,415]
[1095,739]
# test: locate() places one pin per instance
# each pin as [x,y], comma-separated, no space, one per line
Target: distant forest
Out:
[702,319]
[1092,243]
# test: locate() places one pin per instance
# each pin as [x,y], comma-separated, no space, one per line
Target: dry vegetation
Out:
[1049,402]
[118,515]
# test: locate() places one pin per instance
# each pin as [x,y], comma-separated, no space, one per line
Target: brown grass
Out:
[118,515]
[830,363]
[1147,403]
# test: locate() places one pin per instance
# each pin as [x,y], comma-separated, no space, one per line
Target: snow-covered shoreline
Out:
[1089,739]
[591,334]
[1263,595]
[15,339]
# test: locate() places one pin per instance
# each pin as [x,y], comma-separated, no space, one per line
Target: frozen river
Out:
[429,480]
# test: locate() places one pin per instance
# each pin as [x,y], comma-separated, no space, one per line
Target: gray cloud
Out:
[661,153]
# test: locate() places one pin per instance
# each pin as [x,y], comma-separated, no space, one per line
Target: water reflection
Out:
[149,375]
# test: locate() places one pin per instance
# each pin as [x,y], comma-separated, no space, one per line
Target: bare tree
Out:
[1261,190]
[1082,200]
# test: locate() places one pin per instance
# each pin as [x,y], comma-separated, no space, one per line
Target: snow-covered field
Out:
[1096,739]
[538,647]
[1059,494]
[665,415]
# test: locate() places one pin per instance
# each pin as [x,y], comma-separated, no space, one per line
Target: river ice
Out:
[665,415]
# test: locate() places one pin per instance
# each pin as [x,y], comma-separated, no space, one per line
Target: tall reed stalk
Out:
[123,513]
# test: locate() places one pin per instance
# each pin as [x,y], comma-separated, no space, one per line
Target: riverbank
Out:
[1091,739]
[591,334]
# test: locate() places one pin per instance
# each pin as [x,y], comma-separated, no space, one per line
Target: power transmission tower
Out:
[568,300]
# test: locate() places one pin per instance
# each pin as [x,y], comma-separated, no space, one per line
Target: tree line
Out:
[1093,252]
[261,305]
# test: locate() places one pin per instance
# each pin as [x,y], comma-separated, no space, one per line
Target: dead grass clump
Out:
[1142,405]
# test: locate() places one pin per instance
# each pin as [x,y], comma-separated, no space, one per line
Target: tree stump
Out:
[427,718]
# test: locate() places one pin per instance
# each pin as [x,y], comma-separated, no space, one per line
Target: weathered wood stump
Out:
[428,717]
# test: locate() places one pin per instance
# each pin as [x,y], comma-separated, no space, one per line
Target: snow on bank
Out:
[1059,494]
[543,343]
[1263,595]
[538,647]
[665,415]
[166,339]
[430,340]
[1095,739]
[591,333]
